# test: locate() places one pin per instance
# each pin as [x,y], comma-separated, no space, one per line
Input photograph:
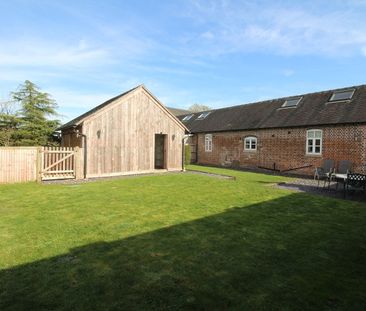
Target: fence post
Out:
[39,164]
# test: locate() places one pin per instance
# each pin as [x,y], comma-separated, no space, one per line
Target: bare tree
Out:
[198,108]
[9,122]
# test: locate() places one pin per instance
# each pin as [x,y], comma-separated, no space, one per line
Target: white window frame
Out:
[203,115]
[352,91]
[250,139]
[298,100]
[188,117]
[311,136]
[208,143]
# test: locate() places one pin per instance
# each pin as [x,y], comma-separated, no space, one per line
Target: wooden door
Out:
[159,151]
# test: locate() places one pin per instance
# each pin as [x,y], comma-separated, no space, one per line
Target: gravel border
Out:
[72,181]
[95,179]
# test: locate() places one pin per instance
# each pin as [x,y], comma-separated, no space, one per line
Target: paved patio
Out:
[311,186]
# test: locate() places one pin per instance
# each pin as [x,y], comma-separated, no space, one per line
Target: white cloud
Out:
[36,52]
[363,50]
[69,99]
[71,103]
[208,35]
[279,28]
[288,72]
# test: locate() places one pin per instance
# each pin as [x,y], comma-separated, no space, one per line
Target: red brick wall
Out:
[286,148]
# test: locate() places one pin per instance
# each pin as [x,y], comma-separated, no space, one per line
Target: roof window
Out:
[203,115]
[188,117]
[342,95]
[293,102]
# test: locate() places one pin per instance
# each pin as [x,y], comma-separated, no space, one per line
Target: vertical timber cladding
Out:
[121,136]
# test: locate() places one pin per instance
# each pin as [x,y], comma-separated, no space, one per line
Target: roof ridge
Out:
[280,98]
[313,110]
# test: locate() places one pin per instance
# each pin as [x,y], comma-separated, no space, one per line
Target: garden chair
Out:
[324,172]
[344,167]
[354,182]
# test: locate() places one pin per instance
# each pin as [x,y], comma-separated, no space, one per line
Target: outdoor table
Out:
[339,178]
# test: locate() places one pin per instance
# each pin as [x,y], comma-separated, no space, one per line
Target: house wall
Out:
[120,137]
[285,149]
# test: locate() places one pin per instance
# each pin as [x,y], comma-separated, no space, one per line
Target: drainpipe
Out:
[196,149]
[185,137]
[84,144]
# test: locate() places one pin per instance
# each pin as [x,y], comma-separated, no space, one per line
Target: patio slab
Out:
[311,186]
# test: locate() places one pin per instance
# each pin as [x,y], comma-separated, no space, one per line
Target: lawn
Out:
[180,241]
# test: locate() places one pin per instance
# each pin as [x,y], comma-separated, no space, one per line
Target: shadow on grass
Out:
[295,252]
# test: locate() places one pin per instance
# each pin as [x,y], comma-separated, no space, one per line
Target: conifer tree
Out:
[37,108]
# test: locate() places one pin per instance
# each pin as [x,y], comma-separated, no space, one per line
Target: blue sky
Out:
[218,53]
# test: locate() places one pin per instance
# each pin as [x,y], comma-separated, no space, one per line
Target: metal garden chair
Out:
[344,167]
[324,172]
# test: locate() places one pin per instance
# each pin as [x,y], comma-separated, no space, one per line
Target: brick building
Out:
[292,134]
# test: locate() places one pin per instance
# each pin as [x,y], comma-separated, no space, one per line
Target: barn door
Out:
[160,151]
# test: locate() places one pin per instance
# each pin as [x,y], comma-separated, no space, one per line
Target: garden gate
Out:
[59,162]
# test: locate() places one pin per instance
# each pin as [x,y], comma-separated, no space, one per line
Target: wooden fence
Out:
[18,164]
[22,164]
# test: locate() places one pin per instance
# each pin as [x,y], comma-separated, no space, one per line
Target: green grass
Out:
[180,241]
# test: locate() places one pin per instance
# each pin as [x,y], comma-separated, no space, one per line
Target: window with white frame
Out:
[208,142]
[314,141]
[342,95]
[250,143]
[291,102]
[203,115]
[187,118]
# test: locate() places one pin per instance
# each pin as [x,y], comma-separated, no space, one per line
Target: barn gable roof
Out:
[78,120]
[313,109]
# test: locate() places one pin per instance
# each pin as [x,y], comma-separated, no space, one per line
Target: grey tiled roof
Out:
[314,109]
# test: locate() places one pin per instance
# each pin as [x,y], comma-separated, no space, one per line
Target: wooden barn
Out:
[129,134]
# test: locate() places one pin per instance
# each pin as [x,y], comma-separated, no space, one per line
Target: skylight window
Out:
[203,115]
[187,118]
[293,102]
[342,95]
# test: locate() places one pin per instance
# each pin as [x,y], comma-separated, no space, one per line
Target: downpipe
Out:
[84,144]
